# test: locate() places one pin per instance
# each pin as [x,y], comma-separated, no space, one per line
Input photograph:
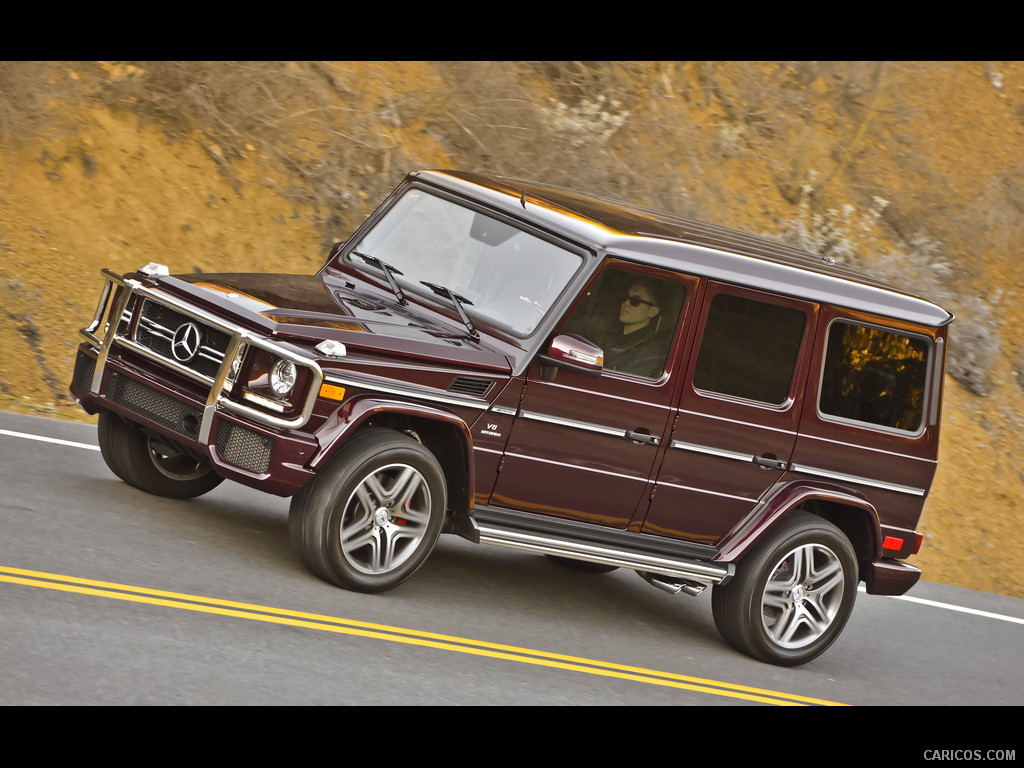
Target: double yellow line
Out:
[397,635]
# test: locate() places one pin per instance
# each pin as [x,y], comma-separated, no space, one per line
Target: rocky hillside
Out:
[911,171]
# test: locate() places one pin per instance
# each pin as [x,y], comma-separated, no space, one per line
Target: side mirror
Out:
[572,352]
[336,249]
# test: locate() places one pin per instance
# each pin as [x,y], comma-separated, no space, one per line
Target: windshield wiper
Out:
[388,270]
[458,301]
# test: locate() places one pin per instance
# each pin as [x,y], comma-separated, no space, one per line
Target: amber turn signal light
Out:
[332,392]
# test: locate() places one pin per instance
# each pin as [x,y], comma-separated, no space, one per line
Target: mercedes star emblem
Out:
[185,343]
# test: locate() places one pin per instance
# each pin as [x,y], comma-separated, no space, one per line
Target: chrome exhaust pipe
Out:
[692,588]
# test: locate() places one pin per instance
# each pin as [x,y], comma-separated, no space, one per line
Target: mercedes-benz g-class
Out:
[536,368]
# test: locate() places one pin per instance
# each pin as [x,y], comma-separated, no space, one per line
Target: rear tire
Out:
[370,519]
[151,463]
[791,595]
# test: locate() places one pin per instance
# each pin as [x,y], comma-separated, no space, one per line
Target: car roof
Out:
[673,242]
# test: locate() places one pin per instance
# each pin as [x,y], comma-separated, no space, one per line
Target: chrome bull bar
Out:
[102,332]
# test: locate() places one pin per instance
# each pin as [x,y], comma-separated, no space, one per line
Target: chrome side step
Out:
[693,575]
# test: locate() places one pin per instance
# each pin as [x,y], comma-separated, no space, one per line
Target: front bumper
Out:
[122,367]
[270,460]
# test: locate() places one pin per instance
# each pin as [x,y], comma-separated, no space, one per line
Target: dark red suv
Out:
[536,368]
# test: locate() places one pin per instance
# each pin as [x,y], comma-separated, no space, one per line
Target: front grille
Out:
[154,405]
[125,322]
[158,325]
[243,447]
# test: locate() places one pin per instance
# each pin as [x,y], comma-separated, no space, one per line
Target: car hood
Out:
[317,307]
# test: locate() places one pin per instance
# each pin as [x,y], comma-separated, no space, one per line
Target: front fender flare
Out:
[359,410]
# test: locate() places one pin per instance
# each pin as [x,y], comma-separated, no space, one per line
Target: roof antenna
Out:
[522,199]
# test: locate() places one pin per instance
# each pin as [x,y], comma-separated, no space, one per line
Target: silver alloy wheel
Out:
[803,596]
[173,463]
[385,519]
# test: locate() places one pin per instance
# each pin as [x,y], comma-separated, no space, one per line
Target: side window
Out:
[874,376]
[633,318]
[749,349]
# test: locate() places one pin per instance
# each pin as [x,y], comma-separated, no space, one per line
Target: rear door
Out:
[738,412]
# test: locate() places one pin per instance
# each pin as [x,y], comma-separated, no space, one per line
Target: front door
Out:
[584,447]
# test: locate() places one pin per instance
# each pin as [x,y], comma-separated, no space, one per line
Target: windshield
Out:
[503,276]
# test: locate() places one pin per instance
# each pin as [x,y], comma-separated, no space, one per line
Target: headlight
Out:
[282,377]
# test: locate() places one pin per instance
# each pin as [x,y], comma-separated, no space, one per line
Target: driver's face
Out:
[637,307]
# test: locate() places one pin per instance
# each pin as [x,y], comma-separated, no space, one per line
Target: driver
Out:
[631,345]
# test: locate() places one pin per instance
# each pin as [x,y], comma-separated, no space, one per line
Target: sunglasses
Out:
[636,301]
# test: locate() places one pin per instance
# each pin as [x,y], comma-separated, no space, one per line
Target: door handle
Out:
[770,462]
[642,437]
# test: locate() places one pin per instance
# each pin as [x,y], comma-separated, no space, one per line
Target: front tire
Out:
[369,520]
[152,463]
[791,595]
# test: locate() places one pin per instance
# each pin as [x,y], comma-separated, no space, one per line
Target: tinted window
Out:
[875,376]
[749,349]
[633,318]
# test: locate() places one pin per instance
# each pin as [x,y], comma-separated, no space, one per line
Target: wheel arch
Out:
[442,432]
[856,517]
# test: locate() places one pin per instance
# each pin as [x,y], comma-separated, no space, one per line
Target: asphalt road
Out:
[109,596]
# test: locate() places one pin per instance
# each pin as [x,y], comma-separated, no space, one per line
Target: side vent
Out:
[467,385]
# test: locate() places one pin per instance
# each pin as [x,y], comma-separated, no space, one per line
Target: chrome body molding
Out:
[495,451]
[545,544]
[662,483]
[509,454]
[747,458]
[707,450]
[218,385]
[586,426]
[392,389]
[856,479]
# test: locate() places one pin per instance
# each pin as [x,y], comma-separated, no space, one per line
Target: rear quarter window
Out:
[874,376]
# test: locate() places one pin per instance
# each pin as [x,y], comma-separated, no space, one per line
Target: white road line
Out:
[951,607]
[961,609]
[922,601]
[48,439]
